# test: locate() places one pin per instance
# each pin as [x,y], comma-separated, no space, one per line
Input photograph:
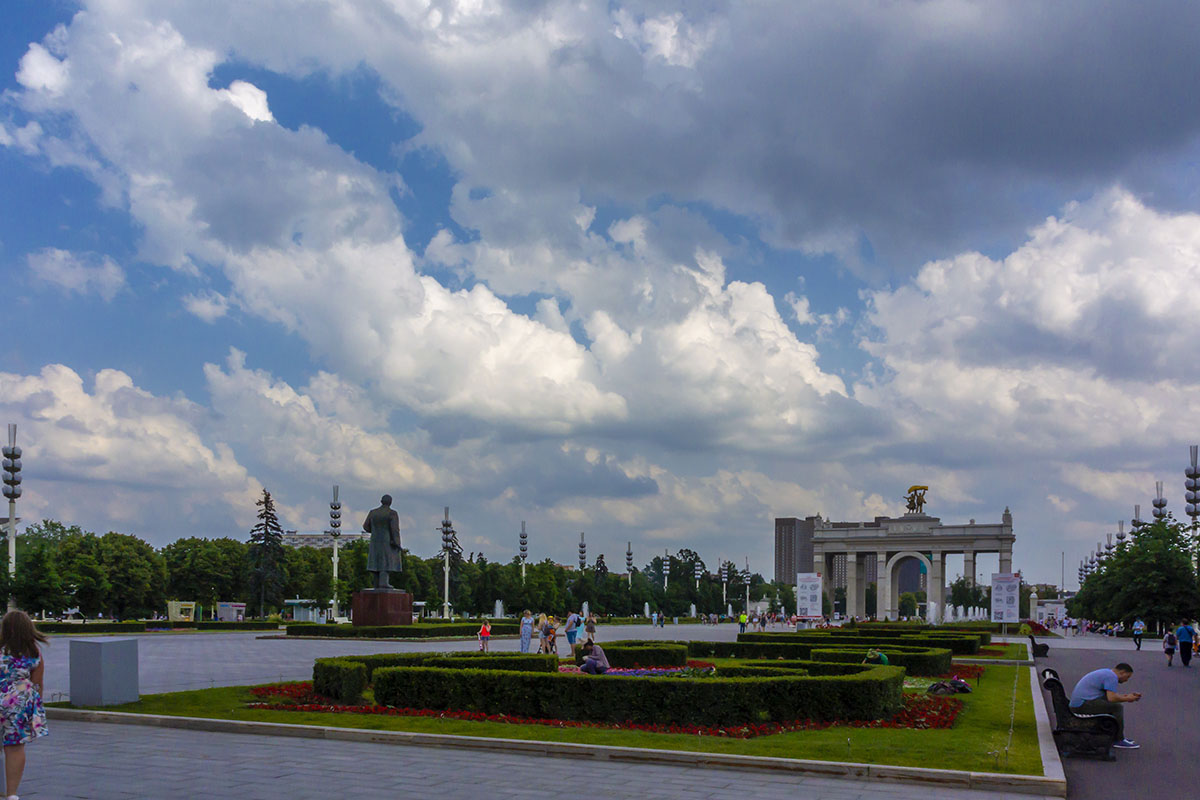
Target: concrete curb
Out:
[985,781]
[1003,662]
[1052,766]
[506,637]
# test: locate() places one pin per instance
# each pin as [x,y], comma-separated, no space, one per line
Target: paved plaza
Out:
[95,760]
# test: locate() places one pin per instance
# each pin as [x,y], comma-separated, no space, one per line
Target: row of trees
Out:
[119,575]
[1151,577]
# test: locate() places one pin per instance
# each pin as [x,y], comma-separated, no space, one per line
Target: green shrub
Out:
[916,660]
[960,644]
[245,625]
[86,629]
[169,625]
[865,693]
[627,654]
[749,649]
[340,679]
[502,661]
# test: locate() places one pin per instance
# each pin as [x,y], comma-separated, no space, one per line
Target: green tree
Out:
[268,574]
[38,586]
[908,604]
[137,574]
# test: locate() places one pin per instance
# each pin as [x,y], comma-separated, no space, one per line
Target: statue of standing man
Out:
[383,556]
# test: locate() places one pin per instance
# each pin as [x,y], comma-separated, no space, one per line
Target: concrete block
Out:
[104,672]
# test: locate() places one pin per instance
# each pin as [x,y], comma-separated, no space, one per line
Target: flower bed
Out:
[919,712]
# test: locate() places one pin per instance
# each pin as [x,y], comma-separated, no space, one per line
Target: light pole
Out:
[1192,484]
[582,553]
[524,550]
[449,546]
[746,580]
[12,490]
[699,572]
[1159,502]
[724,582]
[335,530]
[629,562]
[666,567]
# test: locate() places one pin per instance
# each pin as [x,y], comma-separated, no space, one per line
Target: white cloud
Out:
[209,306]
[42,72]
[250,100]
[81,273]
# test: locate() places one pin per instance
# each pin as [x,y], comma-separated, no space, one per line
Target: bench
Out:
[1079,734]
[1038,650]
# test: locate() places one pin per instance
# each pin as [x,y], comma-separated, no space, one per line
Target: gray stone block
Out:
[104,672]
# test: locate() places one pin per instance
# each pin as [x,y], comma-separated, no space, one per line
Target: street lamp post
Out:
[746,580]
[1192,484]
[335,530]
[666,567]
[12,490]
[724,571]
[1159,502]
[524,550]
[629,562]
[699,572]
[582,552]
[449,546]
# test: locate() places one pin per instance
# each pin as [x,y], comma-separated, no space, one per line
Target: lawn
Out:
[980,732]
[1017,651]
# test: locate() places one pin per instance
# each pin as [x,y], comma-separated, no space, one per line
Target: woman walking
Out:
[526,630]
[541,629]
[21,674]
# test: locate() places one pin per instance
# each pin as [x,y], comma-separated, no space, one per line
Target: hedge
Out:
[419,631]
[870,692]
[244,625]
[790,650]
[981,629]
[508,661]
[85,629]
[641,654]
[341,679]
[959,644]
[916,660]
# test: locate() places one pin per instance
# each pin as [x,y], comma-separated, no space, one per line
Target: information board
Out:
[808,595]
[1006,597]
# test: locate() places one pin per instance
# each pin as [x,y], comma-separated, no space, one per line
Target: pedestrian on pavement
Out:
[572,629]
[541,629]
[589,627]
[1185,633]
[1169,643]
[1096,693]
[526,630]
[22,672]
[485,635]
[1139,628]
[653,619]
[742,619]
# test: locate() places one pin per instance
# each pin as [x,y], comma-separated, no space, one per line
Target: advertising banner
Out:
[1006,597]
[808,595]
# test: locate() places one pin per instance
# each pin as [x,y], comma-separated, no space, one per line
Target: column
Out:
[969,566]
[1006,557]
[935,586]
[851,584]
[883,587]
[860,590]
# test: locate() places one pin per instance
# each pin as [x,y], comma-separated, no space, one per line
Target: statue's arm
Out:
[367,524]
[394,524]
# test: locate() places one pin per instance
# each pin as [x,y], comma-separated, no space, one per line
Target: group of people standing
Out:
[547,626]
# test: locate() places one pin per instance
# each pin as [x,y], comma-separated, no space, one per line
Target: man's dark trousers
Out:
[1185,652]
[1100,706]
[1137,640]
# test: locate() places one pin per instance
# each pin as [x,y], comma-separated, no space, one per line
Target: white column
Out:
[883,586]
[969,566]
[860,589]
[851,584]
[935,585]
[1006,558]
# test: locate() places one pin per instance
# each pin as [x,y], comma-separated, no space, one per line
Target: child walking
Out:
[21,674]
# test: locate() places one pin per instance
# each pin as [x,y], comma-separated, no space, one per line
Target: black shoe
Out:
[1127,744]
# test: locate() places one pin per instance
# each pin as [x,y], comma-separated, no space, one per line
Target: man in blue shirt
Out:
[1139,630]
[1185,634]
[1096,693]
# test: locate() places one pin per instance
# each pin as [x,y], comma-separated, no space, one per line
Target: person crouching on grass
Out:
[1096,693]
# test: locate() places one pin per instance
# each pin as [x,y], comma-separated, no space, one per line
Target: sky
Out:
[655,272]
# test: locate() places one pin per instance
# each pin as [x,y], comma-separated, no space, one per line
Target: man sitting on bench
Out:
[1096,693]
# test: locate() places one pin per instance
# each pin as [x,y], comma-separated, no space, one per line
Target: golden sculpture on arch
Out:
[916,499]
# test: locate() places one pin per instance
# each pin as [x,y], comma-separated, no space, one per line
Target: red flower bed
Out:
[968,672]
[920,712]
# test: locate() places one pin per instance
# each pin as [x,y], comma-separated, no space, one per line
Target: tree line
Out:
[118,575]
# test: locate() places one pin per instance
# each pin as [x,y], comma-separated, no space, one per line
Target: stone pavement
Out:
[1164,721]
[176,662]
[109,762]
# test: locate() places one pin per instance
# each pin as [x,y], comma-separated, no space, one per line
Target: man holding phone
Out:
[1096,693]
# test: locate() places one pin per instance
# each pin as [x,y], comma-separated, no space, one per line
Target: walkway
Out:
[108,762]
[1164,721]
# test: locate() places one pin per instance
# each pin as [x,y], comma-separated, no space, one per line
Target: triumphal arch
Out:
[878,546]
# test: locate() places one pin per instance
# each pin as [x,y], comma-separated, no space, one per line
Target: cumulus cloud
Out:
[81,273]
[209,306]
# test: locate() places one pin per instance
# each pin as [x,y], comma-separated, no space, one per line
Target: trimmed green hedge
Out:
[506,661]
[419,631]
[915,660]
[981,629]
[960,644]
[789,650]
[641,654]
[84,629]
[865,693]
[245,625]
[341,679]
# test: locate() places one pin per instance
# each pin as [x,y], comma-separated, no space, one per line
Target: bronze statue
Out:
[383,556]
[916,499]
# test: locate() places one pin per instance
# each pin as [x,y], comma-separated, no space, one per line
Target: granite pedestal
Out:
[381,607]
[104,673]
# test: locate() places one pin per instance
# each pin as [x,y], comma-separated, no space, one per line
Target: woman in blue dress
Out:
[21,674]
[526,630]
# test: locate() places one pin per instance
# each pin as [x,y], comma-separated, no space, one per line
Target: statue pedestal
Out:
[381,607]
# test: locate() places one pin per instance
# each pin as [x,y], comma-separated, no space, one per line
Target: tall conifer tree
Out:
[266,555]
